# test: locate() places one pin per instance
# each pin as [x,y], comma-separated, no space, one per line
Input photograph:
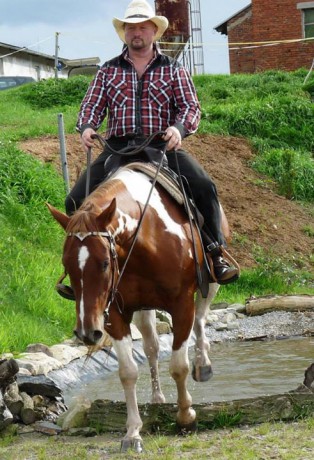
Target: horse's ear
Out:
[60,217]
[107,215]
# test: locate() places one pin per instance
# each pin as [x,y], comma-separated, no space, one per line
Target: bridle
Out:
[115,272]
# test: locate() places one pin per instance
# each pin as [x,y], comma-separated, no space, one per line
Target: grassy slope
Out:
[30,246]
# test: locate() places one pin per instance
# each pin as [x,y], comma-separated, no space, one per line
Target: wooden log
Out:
[13,399]
[110,416]
[27,414]
[266,304]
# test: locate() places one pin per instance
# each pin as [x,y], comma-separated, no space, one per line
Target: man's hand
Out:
[87,139]
[173,137]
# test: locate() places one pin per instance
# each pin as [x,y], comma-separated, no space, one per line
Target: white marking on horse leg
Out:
[128,373]
[83,255]
[179,369]
[202,346]
[146,322]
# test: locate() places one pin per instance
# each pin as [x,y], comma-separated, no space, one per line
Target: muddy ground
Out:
[258,216]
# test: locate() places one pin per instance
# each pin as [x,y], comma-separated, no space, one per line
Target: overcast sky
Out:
[86,29]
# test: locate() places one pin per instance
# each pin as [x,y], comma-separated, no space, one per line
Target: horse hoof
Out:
[202,373]
[184,430]
[134,444]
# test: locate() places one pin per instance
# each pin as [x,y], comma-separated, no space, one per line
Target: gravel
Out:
[277,324]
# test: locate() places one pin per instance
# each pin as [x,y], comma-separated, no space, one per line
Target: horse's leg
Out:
[179,365]
[145,320]
[202,369]
[128,373]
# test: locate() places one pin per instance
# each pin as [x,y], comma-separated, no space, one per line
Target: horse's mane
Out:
[84,219]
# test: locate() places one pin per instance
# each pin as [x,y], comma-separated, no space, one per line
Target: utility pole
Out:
[56,54]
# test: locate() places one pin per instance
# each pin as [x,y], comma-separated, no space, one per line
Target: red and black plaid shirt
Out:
[164,96]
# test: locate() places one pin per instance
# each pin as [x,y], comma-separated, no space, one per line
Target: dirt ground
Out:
[257,215]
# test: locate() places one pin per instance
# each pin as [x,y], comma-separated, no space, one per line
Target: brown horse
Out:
[159,273]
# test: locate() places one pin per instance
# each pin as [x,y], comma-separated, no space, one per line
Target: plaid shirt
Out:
[164,96]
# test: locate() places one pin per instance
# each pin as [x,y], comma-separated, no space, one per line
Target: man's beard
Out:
[137,43]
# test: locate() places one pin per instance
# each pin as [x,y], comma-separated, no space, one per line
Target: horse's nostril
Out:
[76,334]
[97,335]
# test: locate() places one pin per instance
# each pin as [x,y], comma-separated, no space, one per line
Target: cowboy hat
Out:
[140,11]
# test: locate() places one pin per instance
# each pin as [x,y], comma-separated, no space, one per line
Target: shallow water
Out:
[241,370]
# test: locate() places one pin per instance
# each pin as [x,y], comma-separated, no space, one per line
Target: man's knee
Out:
[70,205]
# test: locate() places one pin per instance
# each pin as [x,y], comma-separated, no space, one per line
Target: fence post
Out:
[63,152]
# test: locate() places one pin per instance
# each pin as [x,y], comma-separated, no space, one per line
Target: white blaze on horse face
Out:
[83,255]
[139,186]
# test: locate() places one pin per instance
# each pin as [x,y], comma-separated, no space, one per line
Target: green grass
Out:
[270,109]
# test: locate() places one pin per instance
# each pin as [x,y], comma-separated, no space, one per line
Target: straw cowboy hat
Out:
[140,11]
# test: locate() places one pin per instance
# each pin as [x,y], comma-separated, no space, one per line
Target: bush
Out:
[55,92]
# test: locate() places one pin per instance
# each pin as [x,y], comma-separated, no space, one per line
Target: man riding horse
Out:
[143,91]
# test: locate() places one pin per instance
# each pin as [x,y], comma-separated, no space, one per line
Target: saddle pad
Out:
[163,179]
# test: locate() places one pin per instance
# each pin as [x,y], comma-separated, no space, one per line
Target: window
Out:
[307,9]
[308,22]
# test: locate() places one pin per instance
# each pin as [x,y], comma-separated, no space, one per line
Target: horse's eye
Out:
[105,265]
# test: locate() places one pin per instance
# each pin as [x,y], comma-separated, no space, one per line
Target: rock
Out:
[38,363]
[211,319]
[76,416]
[232,325]
[220,326]
[219,306]
[163,328]
[65,353]
[87,432]
[48,428]
[38,347]
[164,316]
[229,318]
[238,307]
[38,385]
[136,335]
[24,371]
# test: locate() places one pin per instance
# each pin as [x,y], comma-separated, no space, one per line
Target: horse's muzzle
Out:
[93,337]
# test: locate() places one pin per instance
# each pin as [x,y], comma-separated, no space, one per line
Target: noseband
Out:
[114,262]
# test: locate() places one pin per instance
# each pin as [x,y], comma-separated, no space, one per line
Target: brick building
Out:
[290,22]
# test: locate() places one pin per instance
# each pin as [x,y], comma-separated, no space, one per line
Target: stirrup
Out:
[215,250]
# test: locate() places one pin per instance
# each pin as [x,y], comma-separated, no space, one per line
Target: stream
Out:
[241,370]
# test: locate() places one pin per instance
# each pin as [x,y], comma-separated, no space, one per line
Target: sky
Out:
[85,28]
